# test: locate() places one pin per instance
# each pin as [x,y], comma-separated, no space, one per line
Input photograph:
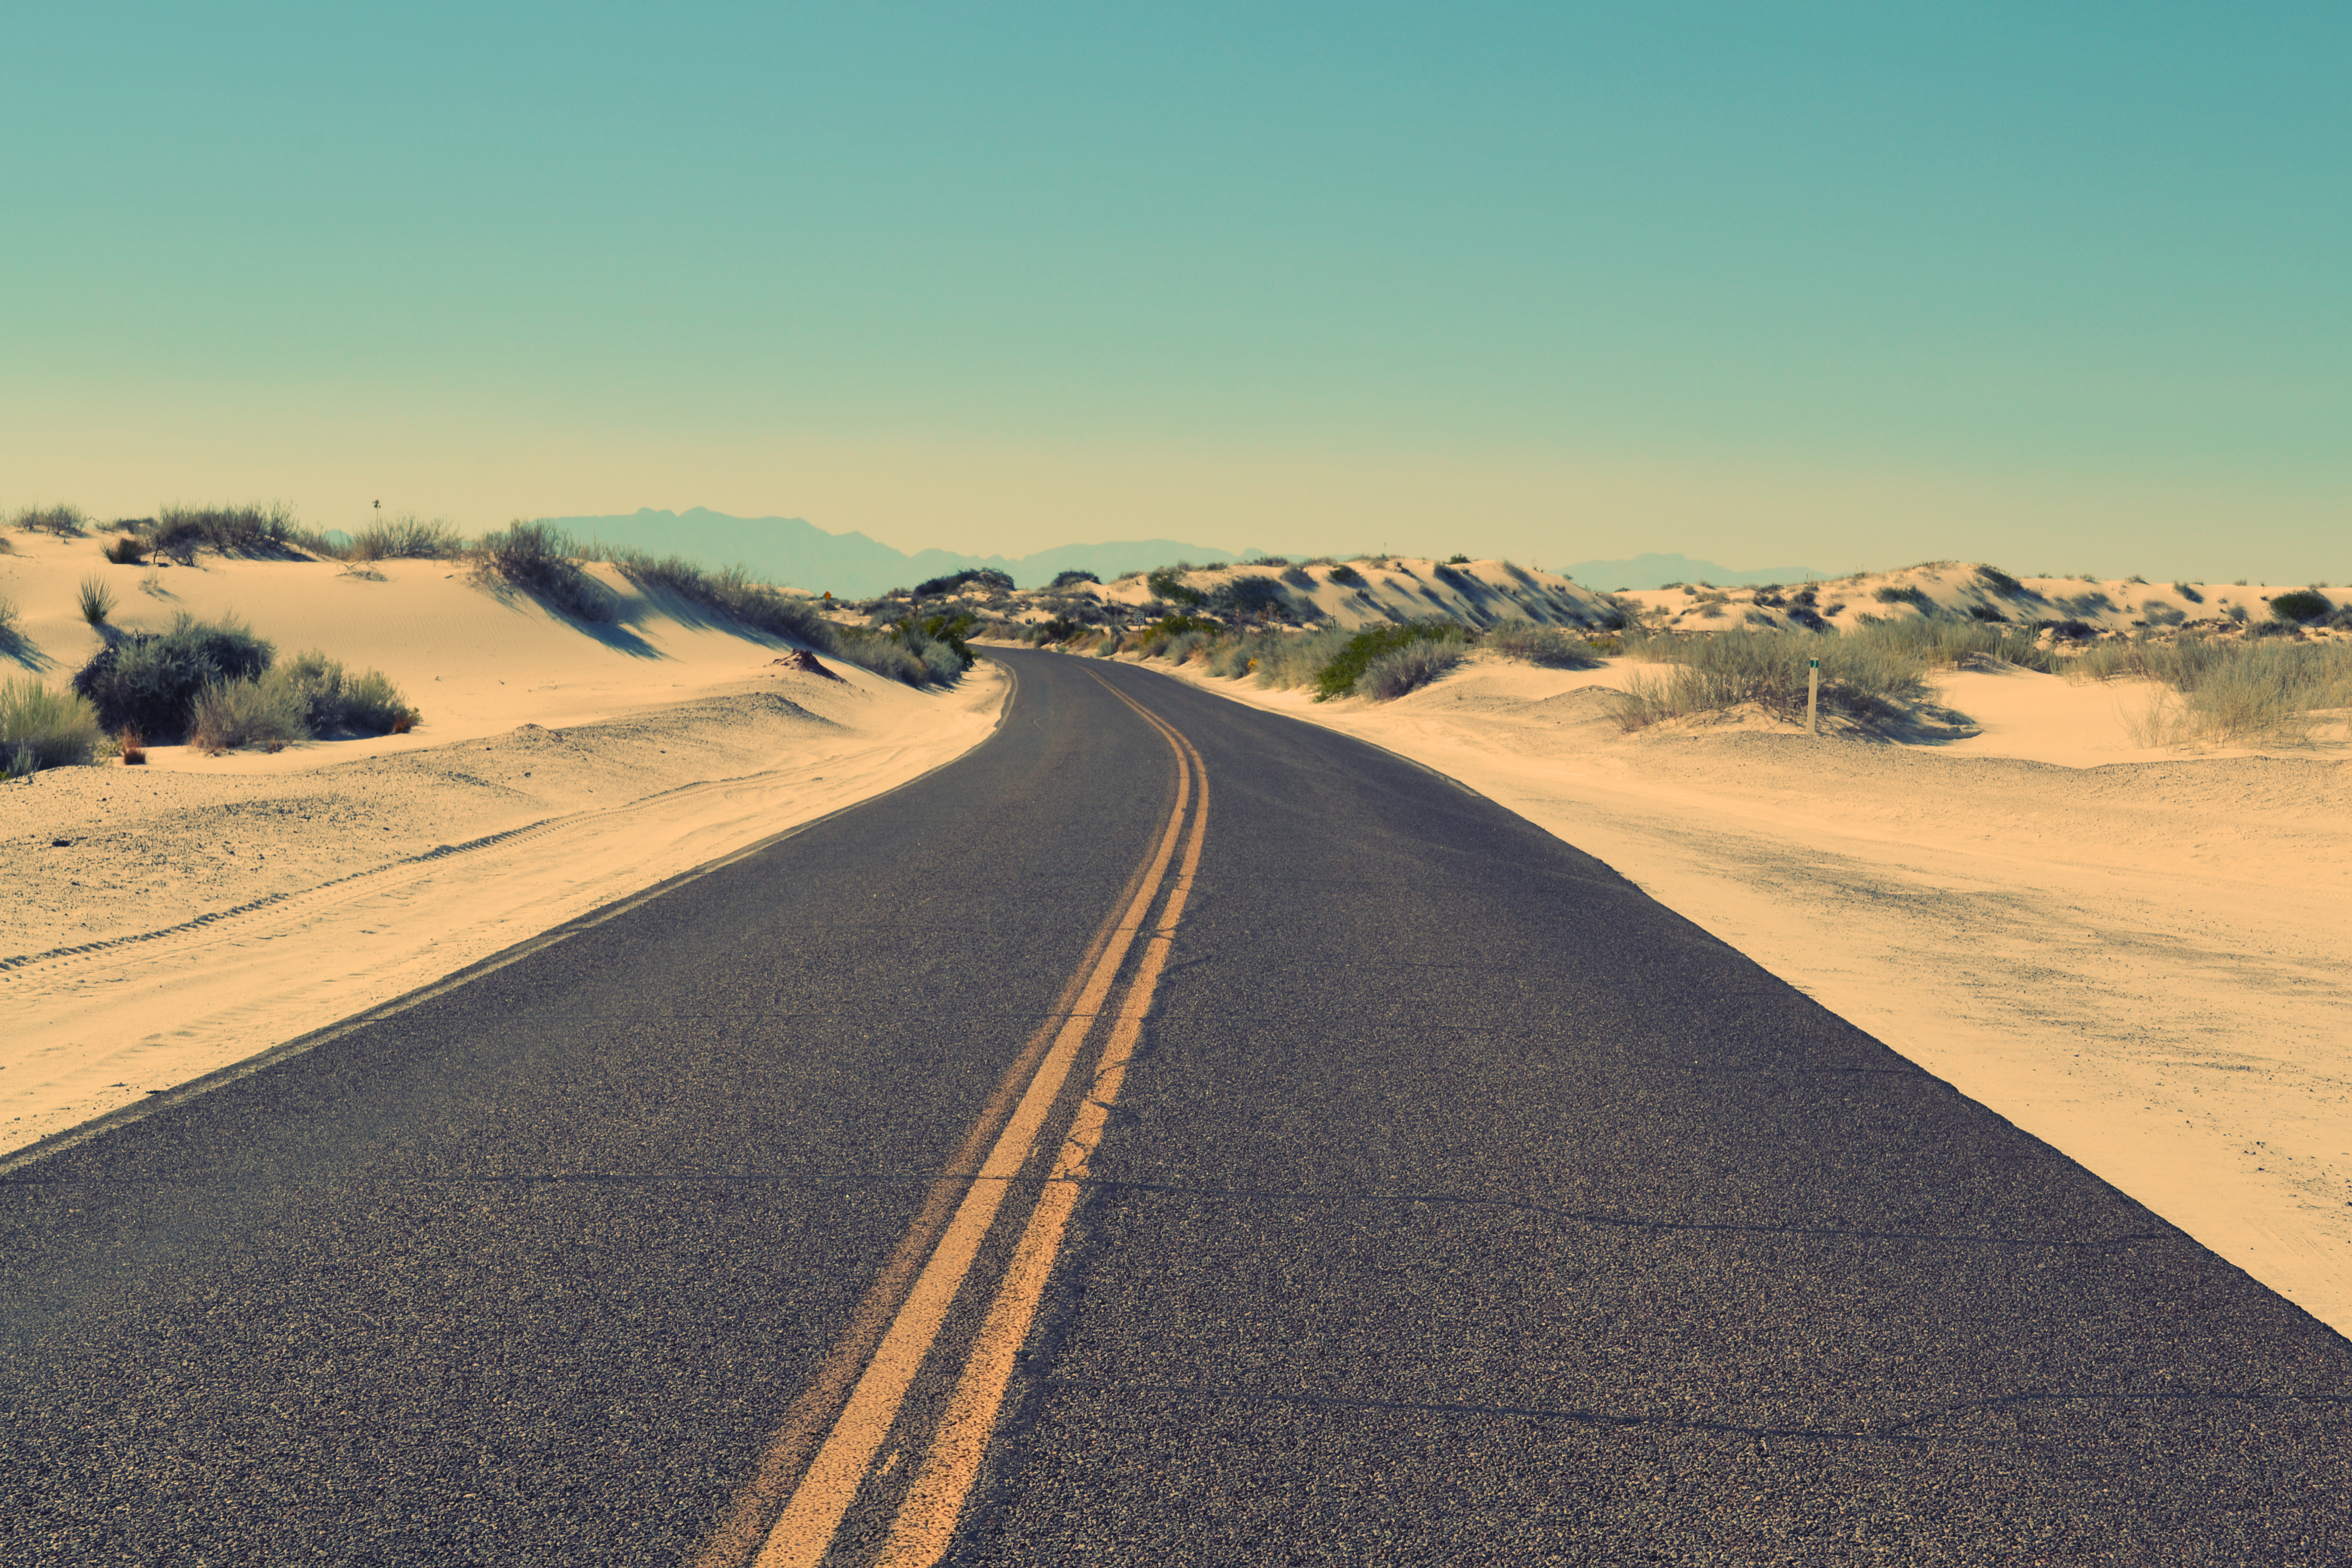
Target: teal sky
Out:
[1832,285]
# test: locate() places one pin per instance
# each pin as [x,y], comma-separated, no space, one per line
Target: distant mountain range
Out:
[788,549]
[1657,571]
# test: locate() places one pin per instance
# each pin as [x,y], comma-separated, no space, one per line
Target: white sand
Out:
[603,762]
[2143,958]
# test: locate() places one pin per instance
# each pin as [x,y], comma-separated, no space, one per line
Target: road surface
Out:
[1171,1134]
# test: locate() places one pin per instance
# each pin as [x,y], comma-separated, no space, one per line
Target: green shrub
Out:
[1402,669]
[126,550]
[150,681]
[2302,606]
[333,702]
[41,728]
[928,652]
[405,537]
[1071,579]
[539,559]
[1346,575]
[936,586]
[1166,585]
[1339,677]
[232,713]
[2188,592]
[1456,560]
[97,601]
[877,650]
[1547,646]
[179,532]
[1909,594]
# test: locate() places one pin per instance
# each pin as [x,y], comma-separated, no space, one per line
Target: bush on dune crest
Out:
[539,559]
[180,531]
[405,537]
[729,591]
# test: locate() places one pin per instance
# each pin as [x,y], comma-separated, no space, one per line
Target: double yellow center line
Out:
[905,1320]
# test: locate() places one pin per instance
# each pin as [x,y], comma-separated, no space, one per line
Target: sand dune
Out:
[170,920]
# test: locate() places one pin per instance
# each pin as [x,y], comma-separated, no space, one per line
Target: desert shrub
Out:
[1287,659]
[1619,614]
[1938,642]
[405,538]
[2302,606]
[333,702]
[1986,612]
[2188,592]
[1071,579]
[1338,677]
[1249,597]
[97,601]
[948,632]
[1060,628]
[2002,583]
[926,652]
[1297,577]
[2069,630]
[179,532]
[1233,657]
[539,559]
[2089,603]
[1149,640]
[875,649]
[1183,645]
[7,620]
[1166,585]
[2223,691]
[150,681]
[2156,613]
[232,713]
[1456,560]
[126,550]
[1346,575]
[1909,594]
[730,591]
[64,522]
[1547,646]
[1863,678]
[42,727]
[1404,669]
[934,587]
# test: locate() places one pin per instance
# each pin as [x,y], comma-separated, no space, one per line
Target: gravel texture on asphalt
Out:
[1463,1206]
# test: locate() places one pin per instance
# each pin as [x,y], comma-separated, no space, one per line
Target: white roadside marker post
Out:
[1813,697]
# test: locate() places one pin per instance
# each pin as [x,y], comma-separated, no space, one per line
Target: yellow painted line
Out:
[926,1524]
[746,1523]
[804,1531]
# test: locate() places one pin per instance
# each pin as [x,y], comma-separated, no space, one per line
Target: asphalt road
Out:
[1460,1204]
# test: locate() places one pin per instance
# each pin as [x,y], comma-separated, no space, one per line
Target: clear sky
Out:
[2061,286]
